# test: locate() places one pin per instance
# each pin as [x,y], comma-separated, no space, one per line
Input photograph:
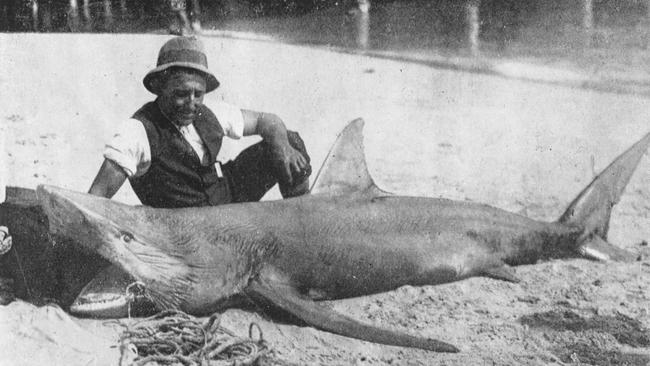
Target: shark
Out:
[346,238]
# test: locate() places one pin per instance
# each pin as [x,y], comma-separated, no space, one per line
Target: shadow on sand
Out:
[592,340]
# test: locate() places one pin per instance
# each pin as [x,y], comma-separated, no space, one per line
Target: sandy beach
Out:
[521,146]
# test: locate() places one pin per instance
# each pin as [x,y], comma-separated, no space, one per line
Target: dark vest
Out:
[176,177]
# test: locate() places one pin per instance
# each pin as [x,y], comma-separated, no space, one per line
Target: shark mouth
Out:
[106,305]
[112,294]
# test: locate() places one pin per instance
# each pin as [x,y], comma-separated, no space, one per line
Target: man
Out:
[168,149]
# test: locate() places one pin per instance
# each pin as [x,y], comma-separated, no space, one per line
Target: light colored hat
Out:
[185,52]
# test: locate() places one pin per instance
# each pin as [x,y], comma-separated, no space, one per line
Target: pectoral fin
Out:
[504,273]
[319,316]
[598,249]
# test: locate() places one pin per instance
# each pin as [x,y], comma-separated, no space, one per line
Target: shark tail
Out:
[591,209]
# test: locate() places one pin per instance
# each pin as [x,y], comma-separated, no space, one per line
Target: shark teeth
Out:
[96,304]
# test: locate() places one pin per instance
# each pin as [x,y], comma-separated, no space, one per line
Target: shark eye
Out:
[126,237]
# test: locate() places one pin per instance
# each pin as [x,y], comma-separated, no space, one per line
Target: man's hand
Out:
[291,164]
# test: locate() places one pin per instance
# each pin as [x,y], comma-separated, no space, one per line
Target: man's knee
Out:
[254,172]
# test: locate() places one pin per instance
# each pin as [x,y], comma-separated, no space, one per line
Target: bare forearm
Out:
[108,181]
[271,128]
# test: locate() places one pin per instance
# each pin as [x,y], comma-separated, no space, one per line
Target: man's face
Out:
[180,95]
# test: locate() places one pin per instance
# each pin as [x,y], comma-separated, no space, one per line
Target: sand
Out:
[521,146]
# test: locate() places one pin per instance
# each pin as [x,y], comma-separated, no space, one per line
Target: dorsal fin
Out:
[344,169]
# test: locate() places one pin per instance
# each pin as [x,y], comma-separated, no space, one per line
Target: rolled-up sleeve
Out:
[230,117]
[129,148]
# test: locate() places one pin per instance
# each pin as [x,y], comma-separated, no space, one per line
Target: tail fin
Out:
[591,210]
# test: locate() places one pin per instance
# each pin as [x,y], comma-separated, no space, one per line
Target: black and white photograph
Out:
[324,182]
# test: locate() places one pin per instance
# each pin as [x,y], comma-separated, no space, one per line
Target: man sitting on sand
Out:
[168,149]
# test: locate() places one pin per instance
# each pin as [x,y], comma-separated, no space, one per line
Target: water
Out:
[607,40]
[603,39]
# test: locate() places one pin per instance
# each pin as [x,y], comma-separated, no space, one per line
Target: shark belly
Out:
[369,247]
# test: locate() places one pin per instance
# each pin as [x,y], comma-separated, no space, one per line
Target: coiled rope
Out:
[173,337]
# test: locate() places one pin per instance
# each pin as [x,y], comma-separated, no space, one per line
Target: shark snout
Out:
[88,220]
[60,210]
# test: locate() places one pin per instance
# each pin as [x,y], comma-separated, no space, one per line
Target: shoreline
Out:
[508,69]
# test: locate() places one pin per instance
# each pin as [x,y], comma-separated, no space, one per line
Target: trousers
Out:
[254,172]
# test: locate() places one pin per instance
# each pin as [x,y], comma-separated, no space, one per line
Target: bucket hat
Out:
[185,52]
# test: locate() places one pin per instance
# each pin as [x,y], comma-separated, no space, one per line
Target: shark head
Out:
[141,242]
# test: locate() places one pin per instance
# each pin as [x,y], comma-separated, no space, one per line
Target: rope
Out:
[173,337]
[133,292]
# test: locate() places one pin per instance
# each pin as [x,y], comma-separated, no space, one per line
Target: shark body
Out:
[347,238]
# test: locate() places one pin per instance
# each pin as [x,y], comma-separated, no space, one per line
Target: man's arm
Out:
[109,179]
[271,128]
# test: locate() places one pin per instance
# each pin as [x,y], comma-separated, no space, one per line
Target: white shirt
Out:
[129,147]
